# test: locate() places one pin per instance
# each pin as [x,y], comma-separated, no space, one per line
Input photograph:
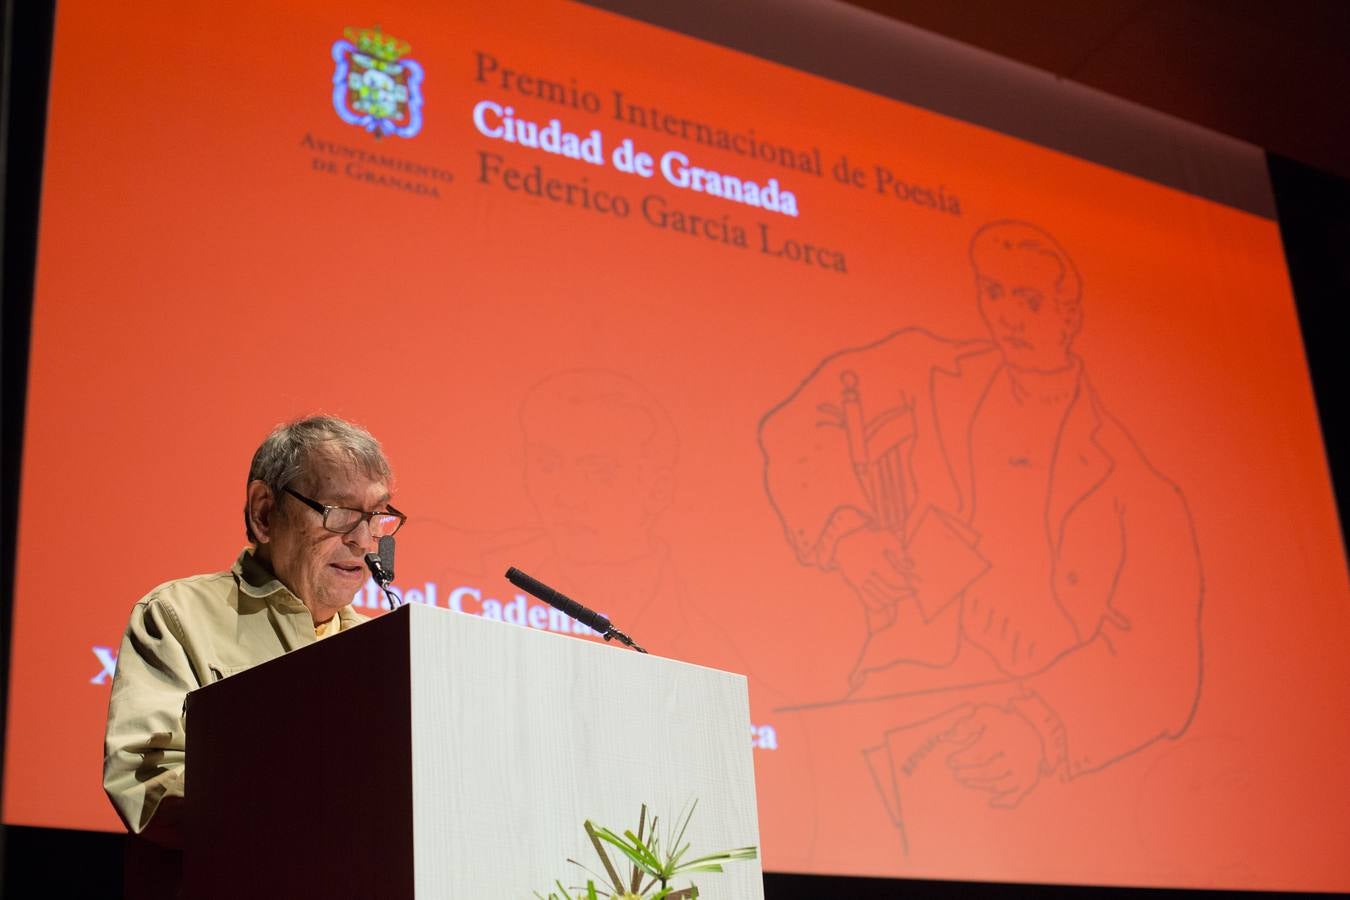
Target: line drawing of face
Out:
[1029,293]
[599,464]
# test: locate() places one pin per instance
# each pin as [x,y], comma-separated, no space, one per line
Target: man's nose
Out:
[362,538]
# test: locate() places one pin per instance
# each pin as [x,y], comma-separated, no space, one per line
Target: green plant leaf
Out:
[604,857]
[587,869]
[695,865]
[683,827]
[639,853]
[644,850]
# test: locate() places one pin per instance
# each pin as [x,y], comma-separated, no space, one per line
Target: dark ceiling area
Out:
[1274,74]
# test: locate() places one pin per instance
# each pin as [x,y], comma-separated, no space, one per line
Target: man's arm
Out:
[809,455]
[144,744]
[808,472]
[1137,678]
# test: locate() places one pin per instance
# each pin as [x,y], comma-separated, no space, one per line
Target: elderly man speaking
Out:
[317,501]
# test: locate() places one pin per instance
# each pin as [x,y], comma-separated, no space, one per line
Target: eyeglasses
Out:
[341,520]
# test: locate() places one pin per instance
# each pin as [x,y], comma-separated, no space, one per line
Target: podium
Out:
[433,754]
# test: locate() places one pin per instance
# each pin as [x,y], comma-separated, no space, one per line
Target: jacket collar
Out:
[256,579]
[350,617]
[1081,463]
[957,390]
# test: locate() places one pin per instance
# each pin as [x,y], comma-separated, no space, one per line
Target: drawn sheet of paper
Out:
[945,560]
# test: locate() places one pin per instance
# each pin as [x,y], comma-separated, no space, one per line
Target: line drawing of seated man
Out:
[1023,568]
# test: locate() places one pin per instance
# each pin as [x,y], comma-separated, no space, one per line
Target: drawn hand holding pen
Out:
[874,562]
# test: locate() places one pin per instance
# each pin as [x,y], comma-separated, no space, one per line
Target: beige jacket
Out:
[182,635]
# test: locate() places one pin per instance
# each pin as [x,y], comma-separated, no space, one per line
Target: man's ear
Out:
[261,508]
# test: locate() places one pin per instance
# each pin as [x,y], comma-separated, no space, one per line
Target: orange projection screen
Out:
[996,469]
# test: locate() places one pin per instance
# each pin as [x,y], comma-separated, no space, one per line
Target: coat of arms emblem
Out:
[375,85]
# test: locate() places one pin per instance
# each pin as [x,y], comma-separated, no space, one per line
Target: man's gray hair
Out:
[287,452]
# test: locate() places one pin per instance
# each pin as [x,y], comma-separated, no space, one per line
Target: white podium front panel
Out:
[519,736]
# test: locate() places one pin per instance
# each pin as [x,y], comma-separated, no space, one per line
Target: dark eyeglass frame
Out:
[323,510]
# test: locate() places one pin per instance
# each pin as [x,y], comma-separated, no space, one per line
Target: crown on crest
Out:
[374,42]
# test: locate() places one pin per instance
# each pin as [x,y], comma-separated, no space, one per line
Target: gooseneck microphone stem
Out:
[588,617]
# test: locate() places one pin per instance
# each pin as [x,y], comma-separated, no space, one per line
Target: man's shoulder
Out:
[909,353]
[924,343]
[1130,465]
[194,590]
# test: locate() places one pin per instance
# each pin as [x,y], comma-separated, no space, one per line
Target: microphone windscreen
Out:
[387,555]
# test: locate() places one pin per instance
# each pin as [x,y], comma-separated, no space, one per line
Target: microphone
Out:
[387,555]
[381,566]
[376,567]
[588,617]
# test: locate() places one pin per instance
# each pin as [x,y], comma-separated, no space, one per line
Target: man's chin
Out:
[339,593]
